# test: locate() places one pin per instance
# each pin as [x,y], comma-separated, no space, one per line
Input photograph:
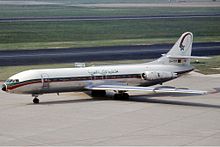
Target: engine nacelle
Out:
[158,75]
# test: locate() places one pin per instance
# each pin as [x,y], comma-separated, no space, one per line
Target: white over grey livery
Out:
[118,78]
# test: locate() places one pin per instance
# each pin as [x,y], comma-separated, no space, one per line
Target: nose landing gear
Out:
[36,100]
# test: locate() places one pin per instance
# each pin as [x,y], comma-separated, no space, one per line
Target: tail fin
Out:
[180,53]
[183,46]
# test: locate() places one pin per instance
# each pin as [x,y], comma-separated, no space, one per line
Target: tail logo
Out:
[182,47]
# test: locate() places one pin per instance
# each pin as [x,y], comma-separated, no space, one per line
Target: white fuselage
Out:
[76,79]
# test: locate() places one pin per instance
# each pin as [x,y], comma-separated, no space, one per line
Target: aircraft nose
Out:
[4,87]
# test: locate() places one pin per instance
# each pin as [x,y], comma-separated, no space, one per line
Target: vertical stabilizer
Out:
[183,46]
[181,49]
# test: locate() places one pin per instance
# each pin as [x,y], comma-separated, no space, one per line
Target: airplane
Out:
[117,78]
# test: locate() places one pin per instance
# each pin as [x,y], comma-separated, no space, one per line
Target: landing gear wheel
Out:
[116,96]
[36,100]
[121,96]
[125,96]
[98,93]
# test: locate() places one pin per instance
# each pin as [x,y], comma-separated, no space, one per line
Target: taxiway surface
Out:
[102,18]
[77,119]
[68,55]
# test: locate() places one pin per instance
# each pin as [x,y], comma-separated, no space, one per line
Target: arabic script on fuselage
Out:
[103,72]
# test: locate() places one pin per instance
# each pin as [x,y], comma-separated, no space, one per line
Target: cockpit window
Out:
[11,81]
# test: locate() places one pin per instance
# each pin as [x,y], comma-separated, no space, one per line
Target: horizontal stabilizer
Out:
[188,57]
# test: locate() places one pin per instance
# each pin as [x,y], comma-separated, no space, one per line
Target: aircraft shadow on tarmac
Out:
[139,98]
[176,102]
[152,98]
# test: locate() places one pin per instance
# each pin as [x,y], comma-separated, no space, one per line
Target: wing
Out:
[162,89]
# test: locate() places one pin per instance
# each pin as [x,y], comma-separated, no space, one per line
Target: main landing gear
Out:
[121,96]
[36,100]
[98,93]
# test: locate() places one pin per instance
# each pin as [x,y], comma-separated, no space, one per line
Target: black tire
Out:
[121,96]
[98,93]
[117,96]
[36,101]
[125,96]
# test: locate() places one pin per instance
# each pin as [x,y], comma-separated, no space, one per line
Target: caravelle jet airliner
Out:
[117,78]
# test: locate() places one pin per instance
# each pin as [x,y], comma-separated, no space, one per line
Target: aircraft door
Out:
[97,77]
[45,81]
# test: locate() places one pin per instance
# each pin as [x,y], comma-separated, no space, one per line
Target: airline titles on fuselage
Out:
[103,72]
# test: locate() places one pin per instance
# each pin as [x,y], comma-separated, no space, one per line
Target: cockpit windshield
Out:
[12,81]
